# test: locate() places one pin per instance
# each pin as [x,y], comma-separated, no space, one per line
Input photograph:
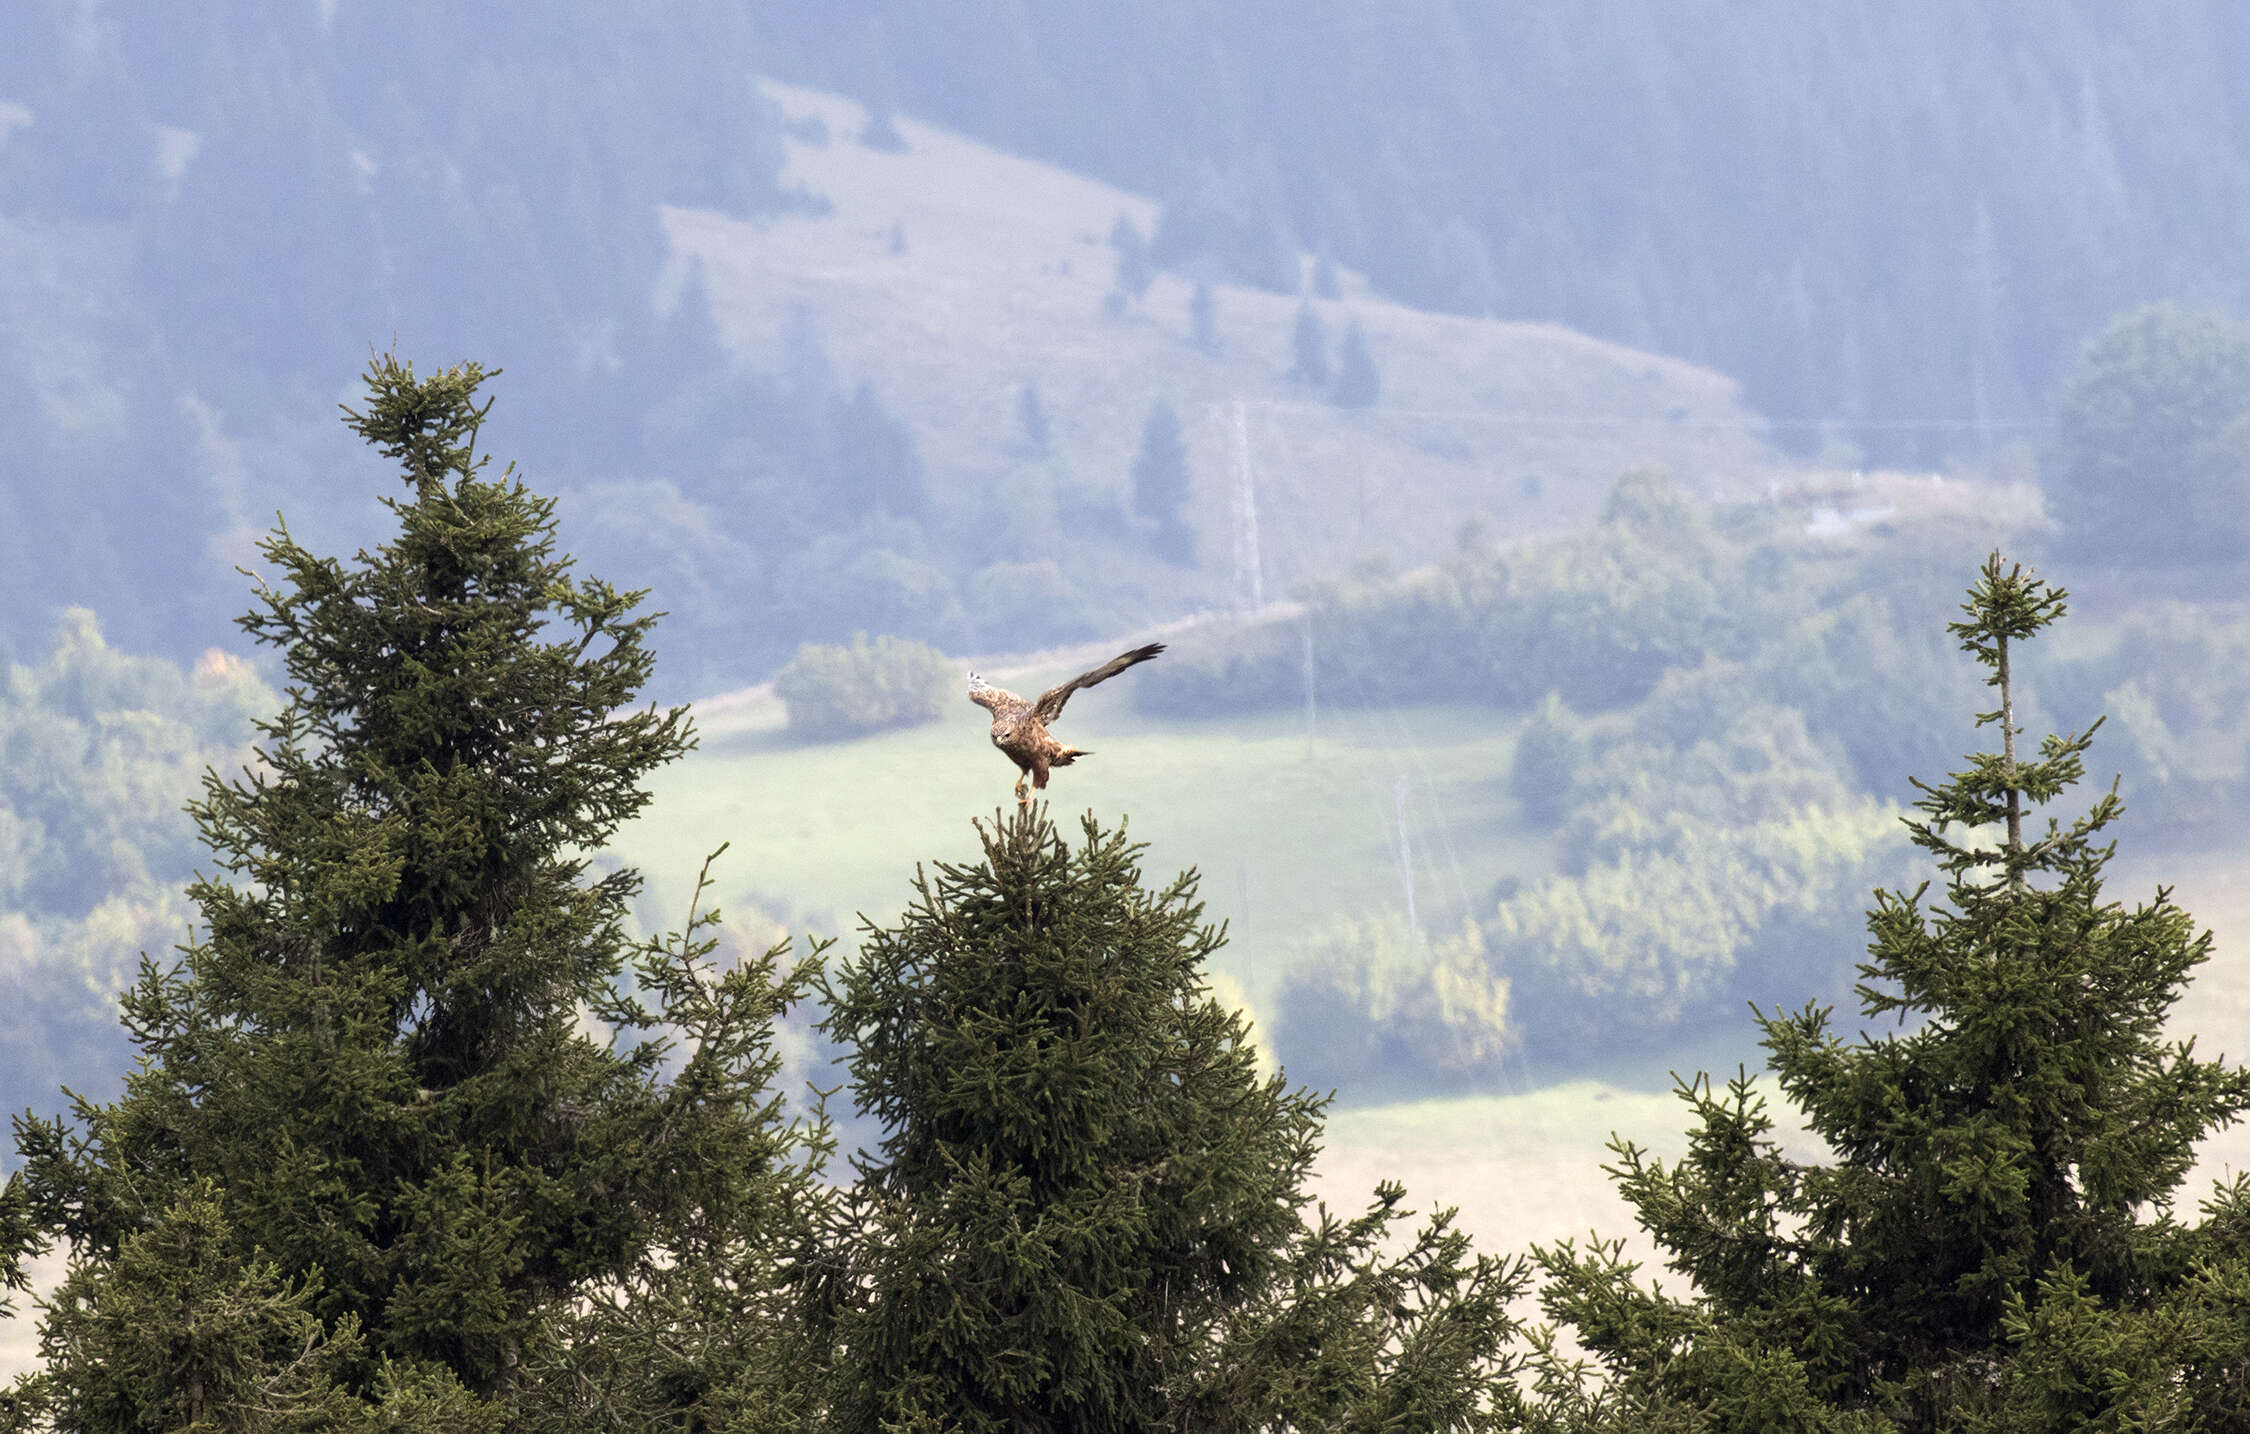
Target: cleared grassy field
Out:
[949,274]
[1290,831]
[1527,1169]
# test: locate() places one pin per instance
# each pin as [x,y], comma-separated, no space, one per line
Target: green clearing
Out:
[1290,831]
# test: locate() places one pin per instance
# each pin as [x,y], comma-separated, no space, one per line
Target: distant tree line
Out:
[1714,719]
[99,749]
[1660,177]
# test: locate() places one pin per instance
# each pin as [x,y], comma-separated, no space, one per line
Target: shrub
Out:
[1548,751]
[834,692]
[1376,1005]
[1017,606]
[1694,873]
[2146,467]
[1597,618]
[1239,667]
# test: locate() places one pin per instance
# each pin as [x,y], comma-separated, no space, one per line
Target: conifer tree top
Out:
[2005,605]
[2009,1156]
[1078,1135]
[428,426]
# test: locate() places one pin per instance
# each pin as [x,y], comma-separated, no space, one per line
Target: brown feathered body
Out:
[1019,727]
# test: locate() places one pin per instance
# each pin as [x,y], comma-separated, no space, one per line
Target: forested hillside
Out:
[1895,225]
[100,751]
[893,386]
[1894,222]
[205,216]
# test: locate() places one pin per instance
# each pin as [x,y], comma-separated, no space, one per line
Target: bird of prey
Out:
[1019,728]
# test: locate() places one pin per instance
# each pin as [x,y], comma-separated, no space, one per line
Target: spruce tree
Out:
[1203,317]
[878,467]
[1086,1211]
[371,1134]
[1035,430]
[1135,269]
[881,131]
[1308,349]
[1991,1244]
[1160,483]
[1358,382]
[703,1330]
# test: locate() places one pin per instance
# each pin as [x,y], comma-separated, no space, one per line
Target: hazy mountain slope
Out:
[1898,217]
[1000,282]
[208,224]
[208,218]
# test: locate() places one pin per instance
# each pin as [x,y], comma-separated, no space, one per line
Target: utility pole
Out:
[1406,855]
[1249,581]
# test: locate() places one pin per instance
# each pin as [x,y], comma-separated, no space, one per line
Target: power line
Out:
[1752,424]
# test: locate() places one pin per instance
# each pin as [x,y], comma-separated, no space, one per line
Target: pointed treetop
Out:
[1987,1240]
[430,424]
[2006,603]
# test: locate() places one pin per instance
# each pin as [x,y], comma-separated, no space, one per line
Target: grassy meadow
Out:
[951,273]
[1291,829]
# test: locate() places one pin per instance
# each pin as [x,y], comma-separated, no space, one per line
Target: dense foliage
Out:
[203,216]
[1697,866]
[1714,713]
[380,1138]
[2175,681]
[1988,1242]
[99,749]
[865,687]
[1381,1010]
[1596,616]
[1087,1210]
[2151,451]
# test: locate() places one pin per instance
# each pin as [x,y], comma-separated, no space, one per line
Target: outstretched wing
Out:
[1050,704]
[995,700]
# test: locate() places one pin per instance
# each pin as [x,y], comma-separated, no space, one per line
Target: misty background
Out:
[1551,438]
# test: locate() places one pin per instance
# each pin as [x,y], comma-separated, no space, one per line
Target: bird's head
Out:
[976,680]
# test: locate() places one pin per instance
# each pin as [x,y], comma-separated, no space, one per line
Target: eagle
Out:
[1019,728]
